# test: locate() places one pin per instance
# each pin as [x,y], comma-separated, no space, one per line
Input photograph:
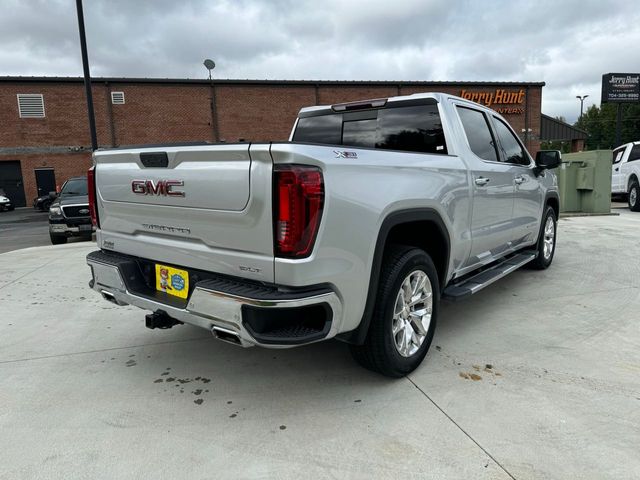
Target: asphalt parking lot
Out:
[25,227]
[536,377]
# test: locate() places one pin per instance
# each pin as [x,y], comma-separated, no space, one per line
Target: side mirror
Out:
[53,194]
[548,159]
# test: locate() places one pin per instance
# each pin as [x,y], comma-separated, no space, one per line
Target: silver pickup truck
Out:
[354,229]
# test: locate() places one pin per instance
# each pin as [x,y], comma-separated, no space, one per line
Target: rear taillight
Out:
[298,199]
[91,189]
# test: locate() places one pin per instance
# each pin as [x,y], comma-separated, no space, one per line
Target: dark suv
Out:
[69,214]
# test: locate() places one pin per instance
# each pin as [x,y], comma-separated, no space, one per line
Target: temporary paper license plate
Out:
[84,228]
[172,281]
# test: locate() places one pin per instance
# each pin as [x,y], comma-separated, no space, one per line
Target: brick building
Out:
[44,135]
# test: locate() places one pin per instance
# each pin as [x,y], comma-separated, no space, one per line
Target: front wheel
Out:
[404,317]
[546,245]
[634,197]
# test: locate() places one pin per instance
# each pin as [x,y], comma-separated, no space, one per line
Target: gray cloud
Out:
[568,44]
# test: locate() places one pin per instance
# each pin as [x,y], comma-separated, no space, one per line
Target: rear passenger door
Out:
[528,195]
[492,187]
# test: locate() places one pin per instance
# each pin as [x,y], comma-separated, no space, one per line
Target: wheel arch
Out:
[394,230]
[632,178]
[553,200]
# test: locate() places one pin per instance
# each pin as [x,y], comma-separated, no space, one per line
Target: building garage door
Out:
[11,182]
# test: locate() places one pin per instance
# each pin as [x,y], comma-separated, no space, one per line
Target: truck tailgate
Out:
[209,208]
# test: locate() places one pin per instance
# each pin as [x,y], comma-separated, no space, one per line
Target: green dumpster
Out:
[584,181]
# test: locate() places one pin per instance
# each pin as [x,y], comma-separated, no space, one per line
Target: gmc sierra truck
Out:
[354,229]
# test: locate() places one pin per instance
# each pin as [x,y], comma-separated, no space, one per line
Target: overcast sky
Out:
[567,44]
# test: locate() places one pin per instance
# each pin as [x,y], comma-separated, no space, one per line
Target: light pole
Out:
[87,76]
[210,65]
[581,98]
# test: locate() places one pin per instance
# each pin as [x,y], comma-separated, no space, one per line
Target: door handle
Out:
[617,169]
[520,180]
[482,181]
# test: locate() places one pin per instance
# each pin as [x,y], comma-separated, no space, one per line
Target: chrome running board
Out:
[477,282]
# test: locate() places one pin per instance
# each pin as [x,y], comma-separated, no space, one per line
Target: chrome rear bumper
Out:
[216,304]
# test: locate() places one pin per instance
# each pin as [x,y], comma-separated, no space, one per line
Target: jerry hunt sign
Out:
[620,87]
[502,101]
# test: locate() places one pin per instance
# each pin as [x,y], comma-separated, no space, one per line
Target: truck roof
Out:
[379,102]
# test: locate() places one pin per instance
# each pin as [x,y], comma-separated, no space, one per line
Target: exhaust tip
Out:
[225,335]
[109,297]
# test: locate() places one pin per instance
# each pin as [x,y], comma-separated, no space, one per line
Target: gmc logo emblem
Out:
[161,187]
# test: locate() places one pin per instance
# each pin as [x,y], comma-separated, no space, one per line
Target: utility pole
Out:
[618,125]
[87,76]
[210,65]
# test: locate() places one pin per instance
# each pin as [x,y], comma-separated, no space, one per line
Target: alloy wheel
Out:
[549,237]
[412,313]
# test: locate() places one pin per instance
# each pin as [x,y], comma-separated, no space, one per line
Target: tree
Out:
[600,124]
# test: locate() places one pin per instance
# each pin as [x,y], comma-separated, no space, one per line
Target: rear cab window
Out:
[397,126]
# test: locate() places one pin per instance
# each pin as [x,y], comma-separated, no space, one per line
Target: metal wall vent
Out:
[31,105]
[117,98]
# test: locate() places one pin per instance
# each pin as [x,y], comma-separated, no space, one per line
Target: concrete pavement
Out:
[538,376]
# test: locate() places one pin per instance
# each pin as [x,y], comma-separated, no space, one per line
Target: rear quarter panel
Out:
[359,194]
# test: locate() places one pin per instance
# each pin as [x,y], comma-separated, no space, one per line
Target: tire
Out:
[57,239]
[382,349]
[12,208]
[545,257]
[634,197]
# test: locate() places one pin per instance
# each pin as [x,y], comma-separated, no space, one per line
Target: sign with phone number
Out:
[620,87]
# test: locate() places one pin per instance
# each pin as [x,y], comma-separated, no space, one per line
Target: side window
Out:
[617,155]
[411,129]
[478,133]
[635,153]
[513,151]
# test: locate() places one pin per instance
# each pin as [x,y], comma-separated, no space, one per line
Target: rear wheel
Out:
[57,239]
[634,197]
[404,317]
